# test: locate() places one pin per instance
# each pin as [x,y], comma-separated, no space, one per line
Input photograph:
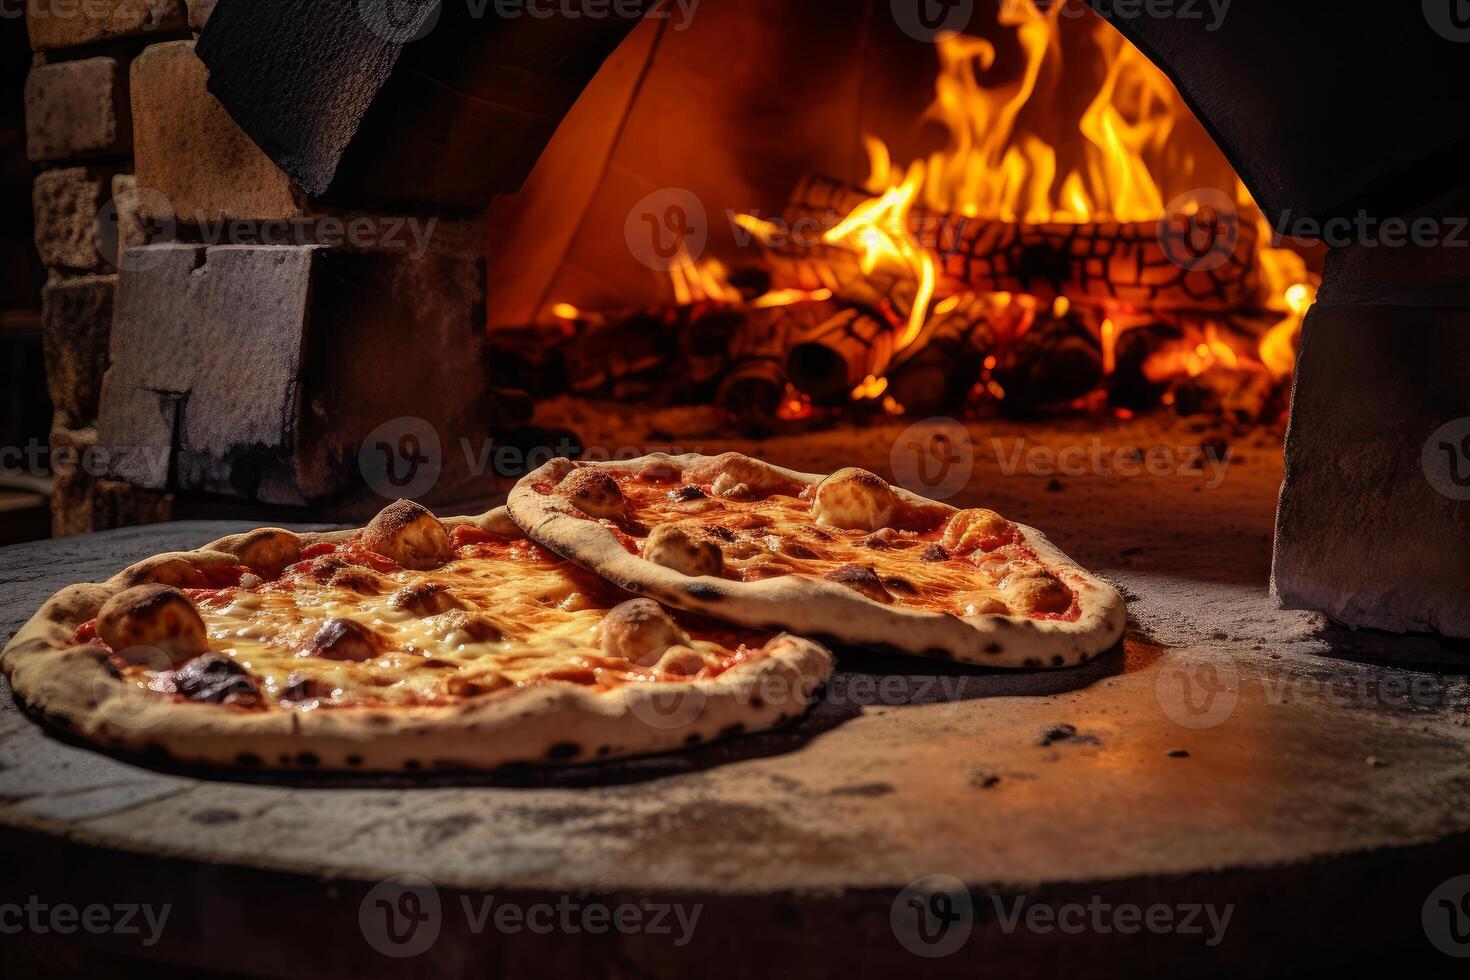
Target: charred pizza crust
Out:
[680,565]
[77,686]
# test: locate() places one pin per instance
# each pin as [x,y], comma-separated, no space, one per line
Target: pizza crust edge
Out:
[824,610]
[67,685]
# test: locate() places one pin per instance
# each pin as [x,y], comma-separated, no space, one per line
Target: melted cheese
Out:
[776,535]
[548,613]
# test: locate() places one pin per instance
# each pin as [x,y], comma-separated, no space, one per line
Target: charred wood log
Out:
[938,373]
[834,348]
[754,385]
[1207,264]
[619,349]
[1057,361]
[1239,397]
[1130,386]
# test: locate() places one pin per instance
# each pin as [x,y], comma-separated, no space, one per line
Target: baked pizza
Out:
[845,557]
[411,644]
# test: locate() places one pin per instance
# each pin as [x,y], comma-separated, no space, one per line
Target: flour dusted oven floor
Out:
[1230,759]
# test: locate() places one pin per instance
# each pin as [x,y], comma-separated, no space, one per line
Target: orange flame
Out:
[879,230]
[994,167]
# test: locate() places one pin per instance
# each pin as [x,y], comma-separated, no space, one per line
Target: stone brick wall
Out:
[216,341]
[79,133]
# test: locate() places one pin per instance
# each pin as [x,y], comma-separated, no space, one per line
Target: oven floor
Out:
[1230,753]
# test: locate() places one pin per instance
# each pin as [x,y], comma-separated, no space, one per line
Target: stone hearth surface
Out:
[1228,752]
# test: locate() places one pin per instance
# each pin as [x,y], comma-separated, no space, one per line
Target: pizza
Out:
[408,645]
[845,557]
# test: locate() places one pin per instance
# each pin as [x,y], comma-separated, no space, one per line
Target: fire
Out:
[879,229]
[705,281]
[999,165]
[1023,149]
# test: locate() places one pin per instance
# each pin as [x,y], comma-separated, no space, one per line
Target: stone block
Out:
[57,24]
[136,432]
[199,11]
[191,154]
[72,481]
[1375,505]
[125,225]
[67,203]
[116,504]
[76,328]
[264,368]
[77,110]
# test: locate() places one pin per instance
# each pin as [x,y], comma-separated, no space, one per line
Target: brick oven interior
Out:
[304,259]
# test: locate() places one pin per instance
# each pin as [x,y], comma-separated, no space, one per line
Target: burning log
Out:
[1129,385]
[1240,397]
[1057,361]
[835,348]
[1150,265]
[937,374]
[755,381]
[618,349]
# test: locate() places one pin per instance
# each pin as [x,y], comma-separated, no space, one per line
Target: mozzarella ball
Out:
[640,631]
[408,534]
[981,604]
[425,599]
[1032,590]
[731,488]
[730,470]
[685,549]
[680,661]
[976,530]
[346,639]
[855,500]
[268,550]
[595,493]
[460,626]
[157,616]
